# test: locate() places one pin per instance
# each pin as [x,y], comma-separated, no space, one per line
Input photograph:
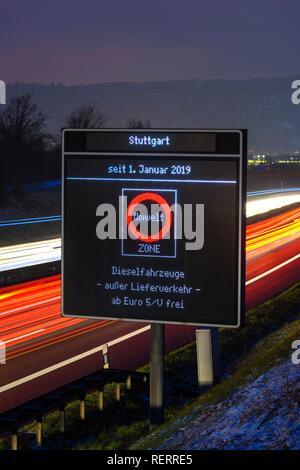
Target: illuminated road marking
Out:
[24,336]
[28,306]
[73,359]
[59,339]
[271,191]
[12,223]
[270,271]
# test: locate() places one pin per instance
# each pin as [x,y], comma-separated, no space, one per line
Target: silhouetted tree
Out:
[86,117]
[134,123]
[22,131]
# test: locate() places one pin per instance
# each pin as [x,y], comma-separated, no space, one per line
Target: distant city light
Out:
[271,160]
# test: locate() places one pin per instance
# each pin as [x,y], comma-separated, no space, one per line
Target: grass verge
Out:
[268,352]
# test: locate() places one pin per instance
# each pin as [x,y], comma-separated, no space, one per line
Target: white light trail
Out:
[261,205]
[46,251]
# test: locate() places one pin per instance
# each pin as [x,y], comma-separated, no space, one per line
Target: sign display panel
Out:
[153,225]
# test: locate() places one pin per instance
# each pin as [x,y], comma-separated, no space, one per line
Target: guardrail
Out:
[11,421]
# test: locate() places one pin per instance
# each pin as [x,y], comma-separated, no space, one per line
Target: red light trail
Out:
[30,321]
[31,310]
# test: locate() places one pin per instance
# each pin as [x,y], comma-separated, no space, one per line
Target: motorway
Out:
[45,350]
[273,256]
[45,251]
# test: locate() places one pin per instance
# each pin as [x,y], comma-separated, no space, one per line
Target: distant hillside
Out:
[262,105]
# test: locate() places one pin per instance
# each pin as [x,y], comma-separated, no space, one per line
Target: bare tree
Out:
[22,131]
[86,117]
[134,123]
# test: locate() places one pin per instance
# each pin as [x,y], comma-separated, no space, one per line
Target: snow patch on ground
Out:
[265,414]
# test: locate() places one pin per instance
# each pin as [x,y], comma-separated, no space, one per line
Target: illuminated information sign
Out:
[153,225]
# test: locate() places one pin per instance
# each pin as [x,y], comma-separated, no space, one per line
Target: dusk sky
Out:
[93,41]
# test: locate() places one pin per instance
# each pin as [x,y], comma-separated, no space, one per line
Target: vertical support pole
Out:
[82,408]
[14,440]
[157,362]
[62,419]
[207,342]
[118,391]
[100,399]
[39,431]
[129,382]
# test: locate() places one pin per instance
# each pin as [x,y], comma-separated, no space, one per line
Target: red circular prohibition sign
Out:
[166,208]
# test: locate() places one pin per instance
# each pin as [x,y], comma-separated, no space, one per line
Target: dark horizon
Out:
[124,82]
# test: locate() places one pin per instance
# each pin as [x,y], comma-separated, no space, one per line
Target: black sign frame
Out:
[231,140]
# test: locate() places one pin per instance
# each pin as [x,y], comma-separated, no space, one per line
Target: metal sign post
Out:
[157,364]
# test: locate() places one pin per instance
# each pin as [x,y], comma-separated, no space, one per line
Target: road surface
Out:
[45,350]
[46,251]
